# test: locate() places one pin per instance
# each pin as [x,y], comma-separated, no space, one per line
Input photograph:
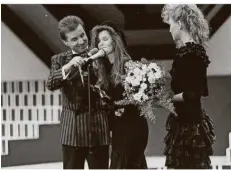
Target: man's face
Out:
[77,39]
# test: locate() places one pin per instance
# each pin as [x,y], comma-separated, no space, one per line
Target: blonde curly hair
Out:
[191,17]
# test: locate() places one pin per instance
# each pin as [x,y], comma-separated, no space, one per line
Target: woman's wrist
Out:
[178,98]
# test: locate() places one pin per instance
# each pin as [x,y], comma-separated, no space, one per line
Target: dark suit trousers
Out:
[74,157]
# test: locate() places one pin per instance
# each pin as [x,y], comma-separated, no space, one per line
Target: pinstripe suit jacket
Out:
[78,128]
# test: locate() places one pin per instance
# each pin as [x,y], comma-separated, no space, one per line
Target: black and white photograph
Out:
[116,86]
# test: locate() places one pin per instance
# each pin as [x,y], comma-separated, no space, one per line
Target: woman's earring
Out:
[180,26]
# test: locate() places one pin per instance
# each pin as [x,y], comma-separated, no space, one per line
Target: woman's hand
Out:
[101,92]
[119,112]
[178,98]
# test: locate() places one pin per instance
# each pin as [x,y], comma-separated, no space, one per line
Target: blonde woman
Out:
[190,133]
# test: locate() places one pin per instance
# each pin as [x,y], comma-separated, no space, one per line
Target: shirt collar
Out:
[73,52]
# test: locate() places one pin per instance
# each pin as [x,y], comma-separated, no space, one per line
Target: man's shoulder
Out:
[60,55]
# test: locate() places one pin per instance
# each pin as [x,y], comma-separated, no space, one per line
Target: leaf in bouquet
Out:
[147,111]
[144,61]
[168,106]
[123,102]
[129,65]
[164,100]
[162,93]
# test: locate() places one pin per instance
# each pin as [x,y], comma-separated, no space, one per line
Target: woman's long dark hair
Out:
[121,56]
[117,30]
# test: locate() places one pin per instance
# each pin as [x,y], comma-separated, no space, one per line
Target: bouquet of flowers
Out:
[145,86]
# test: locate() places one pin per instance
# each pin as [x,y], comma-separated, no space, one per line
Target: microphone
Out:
[100,53]
[75,69]
[95,54]
[92,52]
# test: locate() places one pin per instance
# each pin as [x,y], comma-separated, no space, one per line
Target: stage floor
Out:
[153,162]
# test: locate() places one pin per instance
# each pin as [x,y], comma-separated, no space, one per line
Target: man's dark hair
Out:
[68,24]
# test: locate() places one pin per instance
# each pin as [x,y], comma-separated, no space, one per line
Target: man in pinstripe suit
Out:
[84,136]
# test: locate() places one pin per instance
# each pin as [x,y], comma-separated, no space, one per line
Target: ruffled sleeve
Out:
[194,72]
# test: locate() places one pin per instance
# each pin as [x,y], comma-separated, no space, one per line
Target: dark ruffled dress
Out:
[190,134]
[129,133]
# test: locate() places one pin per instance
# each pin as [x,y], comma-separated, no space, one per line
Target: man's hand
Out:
[75,62]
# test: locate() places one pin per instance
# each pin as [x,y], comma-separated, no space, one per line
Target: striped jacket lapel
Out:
[67,57]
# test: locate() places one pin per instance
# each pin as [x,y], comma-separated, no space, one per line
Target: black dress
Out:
[190,133]
[129,133]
